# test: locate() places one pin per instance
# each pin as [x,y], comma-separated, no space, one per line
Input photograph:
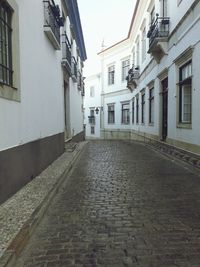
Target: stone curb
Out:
[18,242]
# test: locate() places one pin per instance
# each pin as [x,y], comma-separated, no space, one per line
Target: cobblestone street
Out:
[122,205]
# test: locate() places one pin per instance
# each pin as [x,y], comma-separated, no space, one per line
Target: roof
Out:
[75,21]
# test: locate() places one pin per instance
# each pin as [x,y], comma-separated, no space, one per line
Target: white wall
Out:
[40,112]
[92,102]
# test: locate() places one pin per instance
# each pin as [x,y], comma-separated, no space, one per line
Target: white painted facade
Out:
[41,87]
[92,102]
[39,111]
[159,62]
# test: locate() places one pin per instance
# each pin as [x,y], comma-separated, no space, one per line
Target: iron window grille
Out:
[74,67]
[66,49]
[6,71]
[53,18]
[158,29]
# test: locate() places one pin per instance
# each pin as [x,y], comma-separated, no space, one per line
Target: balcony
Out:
[52,22]
[158,37]
[132,78]
[91,120]
[66,50]
[74,69]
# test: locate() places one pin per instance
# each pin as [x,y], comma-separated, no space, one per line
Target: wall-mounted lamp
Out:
[97,109]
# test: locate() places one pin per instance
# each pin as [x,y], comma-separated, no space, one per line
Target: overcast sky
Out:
[107,20]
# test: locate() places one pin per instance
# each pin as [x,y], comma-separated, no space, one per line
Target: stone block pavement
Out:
[20,214]
[122,205]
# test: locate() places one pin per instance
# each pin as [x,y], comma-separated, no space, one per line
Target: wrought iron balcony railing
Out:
[133,76]
[66,51]
[52,21]
[74,69]
[91,119]
[159,29]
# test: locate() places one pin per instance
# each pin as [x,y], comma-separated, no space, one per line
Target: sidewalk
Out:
[20,214]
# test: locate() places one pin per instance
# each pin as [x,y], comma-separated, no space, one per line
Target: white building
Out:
[33,84]
[162,52]
[92,106]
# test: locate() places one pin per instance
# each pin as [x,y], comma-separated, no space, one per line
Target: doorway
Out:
[164,84]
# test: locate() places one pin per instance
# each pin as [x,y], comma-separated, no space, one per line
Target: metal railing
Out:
[52,18]
[74,68]
[133,74]
[67,56]
[159,29]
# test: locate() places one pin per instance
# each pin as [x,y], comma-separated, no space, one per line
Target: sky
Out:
[107,20]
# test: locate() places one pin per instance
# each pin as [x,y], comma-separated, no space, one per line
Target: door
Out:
[66,111]
[164,108]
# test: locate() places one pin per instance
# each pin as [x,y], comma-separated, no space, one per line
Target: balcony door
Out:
[66,111]
[164,84]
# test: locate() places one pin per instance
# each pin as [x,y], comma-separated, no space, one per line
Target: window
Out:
[111,75]
[143,44]
[133,111]
[152,15]
[6,72]
[111,114]
[143,107]
[185,93]
[125,113]
[91,117]
[133,53]
[92,130]
[151,105]
[137,109]
[138,52]
[125,69]
[92,92]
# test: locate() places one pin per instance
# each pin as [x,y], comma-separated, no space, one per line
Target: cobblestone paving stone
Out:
[123,205]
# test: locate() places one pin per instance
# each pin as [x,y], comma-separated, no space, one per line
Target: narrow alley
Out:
[123,204]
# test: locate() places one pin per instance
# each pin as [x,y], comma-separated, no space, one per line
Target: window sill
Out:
[184,125]
[9,92]
[151,124]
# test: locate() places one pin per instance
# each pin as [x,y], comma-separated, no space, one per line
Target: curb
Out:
[9,257]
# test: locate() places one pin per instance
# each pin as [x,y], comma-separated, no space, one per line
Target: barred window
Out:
[6,71]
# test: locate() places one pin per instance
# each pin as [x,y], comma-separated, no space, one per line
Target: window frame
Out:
[125,64]
[125,113]
[137,109]
[182,83]
[92,91]
[133,111]
[112,113]
[143,107]
[13,93]
[111,75]
[151,105]
[6,66]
